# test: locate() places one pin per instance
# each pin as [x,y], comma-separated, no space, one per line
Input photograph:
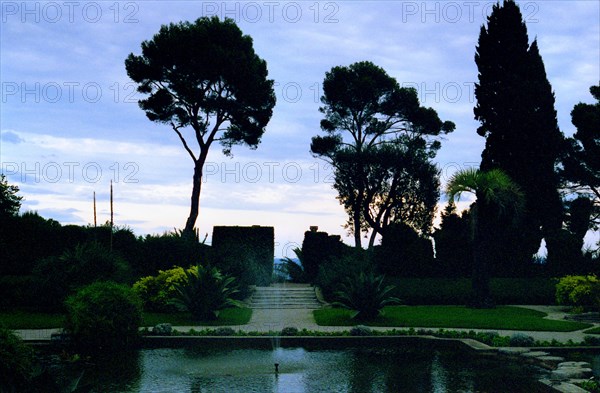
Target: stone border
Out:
[325,342]
[563,374]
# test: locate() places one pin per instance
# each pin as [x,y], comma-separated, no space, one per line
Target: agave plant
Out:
[294,270]
[365,294]
[205,292]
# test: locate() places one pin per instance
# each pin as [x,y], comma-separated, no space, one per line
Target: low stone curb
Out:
[563,375]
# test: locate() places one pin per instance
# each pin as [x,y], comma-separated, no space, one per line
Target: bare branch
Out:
[185,145]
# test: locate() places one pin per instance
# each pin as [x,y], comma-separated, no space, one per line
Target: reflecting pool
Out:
[357,370]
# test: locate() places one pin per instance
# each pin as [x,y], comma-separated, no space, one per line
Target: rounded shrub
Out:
[361,330]
[224,331]
[158,291]
[104,315]
[162,329]
[521,340]
[289,331]
[578,291]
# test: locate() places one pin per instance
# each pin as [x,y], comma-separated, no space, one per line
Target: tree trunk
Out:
[188,231]
[481,269]
[356,224]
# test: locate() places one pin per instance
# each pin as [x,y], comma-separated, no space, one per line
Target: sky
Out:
[70,123]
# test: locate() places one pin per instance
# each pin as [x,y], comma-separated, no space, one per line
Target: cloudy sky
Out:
[70,122]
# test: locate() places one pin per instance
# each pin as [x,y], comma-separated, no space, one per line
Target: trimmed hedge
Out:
[442,291]
[319,249]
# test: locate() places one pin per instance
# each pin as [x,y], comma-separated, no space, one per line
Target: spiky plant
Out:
[366,294]
[295,270]
[498,196]
[205,292]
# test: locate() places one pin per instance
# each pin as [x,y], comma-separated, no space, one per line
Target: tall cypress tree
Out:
[515,106]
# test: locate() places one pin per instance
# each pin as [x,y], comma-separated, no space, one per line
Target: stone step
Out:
[281,297]
[282,291]
[283,304]
[286,306]
[275,298]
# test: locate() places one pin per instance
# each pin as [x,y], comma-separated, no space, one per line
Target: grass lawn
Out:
[227,317]
[38,320]
[30,320]
[504,317]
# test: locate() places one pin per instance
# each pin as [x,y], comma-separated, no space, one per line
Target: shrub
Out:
[365,294]
[15,363]
[224,331]
[158,291]
[294,270]
[591,340]
[162,329]
[205,292]
[104,315]
[334,271]
[289,331]
[361,330]
[521,340]
[404,253]
[578,291]
[60,276]
[19,291]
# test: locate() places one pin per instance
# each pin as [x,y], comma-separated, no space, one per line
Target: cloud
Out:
[94,141]
[11,137]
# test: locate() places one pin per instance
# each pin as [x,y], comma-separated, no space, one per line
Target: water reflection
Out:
[300,370]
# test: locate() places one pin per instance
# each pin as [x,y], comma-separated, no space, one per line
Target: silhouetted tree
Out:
[10,202]
[578,220]
[204,76]
[499,200]
[402,186]
[453,248]
[364,110]
[404,253]
[515,106]
[581,164]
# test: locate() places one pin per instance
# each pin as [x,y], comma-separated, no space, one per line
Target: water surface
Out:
[300,370]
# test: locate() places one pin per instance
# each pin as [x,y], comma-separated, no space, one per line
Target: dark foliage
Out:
[10,202]
[16,361]
[334,270]
[25,239]
[205,76]
[162,252]
[246,253]
[294,270]
[515,106]
[366,294]
[403,253]
[318,249]
[205,292]
[104,316]
[453,243]
[581,163]
[364,110]
[57,277]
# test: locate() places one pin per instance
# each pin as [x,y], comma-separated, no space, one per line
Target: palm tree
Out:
[498,198]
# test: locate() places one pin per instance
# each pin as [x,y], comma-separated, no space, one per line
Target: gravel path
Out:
[264,320]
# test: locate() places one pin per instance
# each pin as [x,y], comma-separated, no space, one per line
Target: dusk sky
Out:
[70,122]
